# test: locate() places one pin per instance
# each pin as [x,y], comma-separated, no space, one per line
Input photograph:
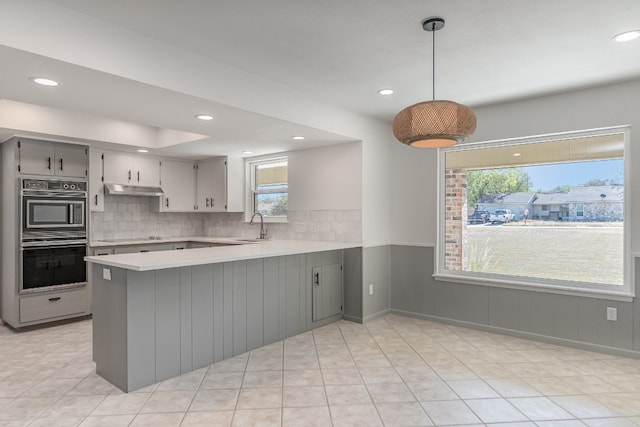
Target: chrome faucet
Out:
[263,231]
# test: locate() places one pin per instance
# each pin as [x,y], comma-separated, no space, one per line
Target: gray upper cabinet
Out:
[179,186]
[123,168]
[96,186]
[220,185]
[211,185]
[52,158]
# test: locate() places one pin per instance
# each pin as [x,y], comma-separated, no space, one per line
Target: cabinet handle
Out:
[212,200]
[53,299]
[129,175]
[61,165]
[138,177]
[49,161]
[144,250]
[167,201]
[207,201]
[316,279]
[96,200]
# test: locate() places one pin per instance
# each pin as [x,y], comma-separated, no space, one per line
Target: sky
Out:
[547,177]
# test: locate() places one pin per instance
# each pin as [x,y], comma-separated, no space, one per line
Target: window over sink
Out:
[269,188]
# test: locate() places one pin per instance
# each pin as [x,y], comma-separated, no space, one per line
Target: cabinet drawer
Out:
[143,248]
[104,251]
[48,306]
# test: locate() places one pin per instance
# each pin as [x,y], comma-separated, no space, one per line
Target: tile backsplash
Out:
[128,217]
[131,217]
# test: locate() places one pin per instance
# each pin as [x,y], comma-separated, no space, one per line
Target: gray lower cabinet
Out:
[327,291]
[153,325]
[143,248]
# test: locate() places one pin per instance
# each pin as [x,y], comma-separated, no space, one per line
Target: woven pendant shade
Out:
[434,124]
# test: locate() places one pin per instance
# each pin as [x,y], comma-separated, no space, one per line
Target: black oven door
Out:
[50,266]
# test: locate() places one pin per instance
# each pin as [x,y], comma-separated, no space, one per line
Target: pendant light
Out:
[436,123]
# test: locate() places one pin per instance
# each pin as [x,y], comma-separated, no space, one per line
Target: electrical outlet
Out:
[106,274]
[612,314]
[371,289]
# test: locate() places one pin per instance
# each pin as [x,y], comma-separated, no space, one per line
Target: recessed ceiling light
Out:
[627,36]
[517,154]
[44,82]
[297,137]
[247,152]
[385,91]
[142,150]
[204,116]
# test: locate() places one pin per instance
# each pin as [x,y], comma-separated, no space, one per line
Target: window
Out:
[566,226]
[269,188]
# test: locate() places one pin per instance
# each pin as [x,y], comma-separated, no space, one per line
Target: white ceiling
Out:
[146,61]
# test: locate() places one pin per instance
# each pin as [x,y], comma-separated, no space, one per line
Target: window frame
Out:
[624,292]
[250,167]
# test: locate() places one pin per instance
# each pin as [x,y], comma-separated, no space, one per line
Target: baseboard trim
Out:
[374,316]
[615,351]
[355,319]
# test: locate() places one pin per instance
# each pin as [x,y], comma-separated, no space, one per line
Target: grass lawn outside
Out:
[587,252]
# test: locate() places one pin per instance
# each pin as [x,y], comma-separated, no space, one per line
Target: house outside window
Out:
[574,237]
[269,188]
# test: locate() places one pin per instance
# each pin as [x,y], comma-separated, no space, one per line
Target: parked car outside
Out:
[479,217]
[501,215]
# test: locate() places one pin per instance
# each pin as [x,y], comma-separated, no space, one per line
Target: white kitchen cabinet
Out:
[128,169]
[52,158]
[178,181]
[220,185]
[96,184]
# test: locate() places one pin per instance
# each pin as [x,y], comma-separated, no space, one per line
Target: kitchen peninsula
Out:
[160,314]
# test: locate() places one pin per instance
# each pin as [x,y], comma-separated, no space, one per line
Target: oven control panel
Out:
[52,184]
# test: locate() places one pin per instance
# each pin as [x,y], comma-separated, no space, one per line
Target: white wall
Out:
[414,195]
[326,178]
[414,191]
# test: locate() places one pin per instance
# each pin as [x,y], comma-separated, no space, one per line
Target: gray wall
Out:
[571,320]
[375,271]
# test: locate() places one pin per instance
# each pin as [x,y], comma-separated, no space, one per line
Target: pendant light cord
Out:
[433,61]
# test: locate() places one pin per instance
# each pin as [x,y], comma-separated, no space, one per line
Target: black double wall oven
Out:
[53,234]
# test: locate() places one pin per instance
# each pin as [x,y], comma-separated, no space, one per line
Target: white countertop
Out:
[147,261]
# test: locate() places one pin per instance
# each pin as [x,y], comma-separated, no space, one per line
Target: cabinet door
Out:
[71,160]
[117,168]
[146,171]
[179,186]
[96,186]
[235,184]
[327,291]
[211,185]
[37,157]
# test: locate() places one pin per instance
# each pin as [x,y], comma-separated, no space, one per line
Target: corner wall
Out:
[560,319]
[577,321]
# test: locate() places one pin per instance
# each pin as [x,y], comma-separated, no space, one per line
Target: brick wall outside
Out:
[455,219]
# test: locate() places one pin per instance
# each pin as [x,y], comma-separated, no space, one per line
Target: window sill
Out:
[622,295]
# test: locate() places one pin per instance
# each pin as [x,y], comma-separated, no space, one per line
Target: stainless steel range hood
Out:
[132,190]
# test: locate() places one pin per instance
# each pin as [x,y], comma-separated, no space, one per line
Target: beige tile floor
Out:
[394,371]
